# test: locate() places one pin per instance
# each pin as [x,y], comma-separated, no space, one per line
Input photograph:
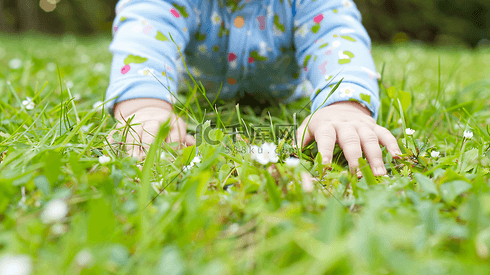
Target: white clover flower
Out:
[409,131]
[98,106]
[435,154]
[69,84]
[292,162]
[99,67]
[104,159]
[468,134]
[15,265]
[15,63]
[77,97]
[216,18]
[28,103]
[84,258]
[51,66]
[265,154]
[196,159]
[54,211]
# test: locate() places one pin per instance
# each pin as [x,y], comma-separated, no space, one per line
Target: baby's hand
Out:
[349,124]
[149,114]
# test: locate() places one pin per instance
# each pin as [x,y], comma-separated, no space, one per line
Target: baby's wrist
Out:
[129,107]
[353,104]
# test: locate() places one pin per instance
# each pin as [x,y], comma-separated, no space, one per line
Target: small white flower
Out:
[468,134]
[28,103]
[265,154]
[215,18]
[15,265]
[187,167]
[98,106]
[15,63]
[104,159]
[54,211]
[51,66]
[400,121]
[409,131]
[435,154]
[69,84]
[99,67]
[58,229]
[156,186]
[84,58]
[163,155]
[292,162]
[77,97]
[196,159]
[84,258]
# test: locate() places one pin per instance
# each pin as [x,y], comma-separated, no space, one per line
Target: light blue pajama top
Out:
[284,49]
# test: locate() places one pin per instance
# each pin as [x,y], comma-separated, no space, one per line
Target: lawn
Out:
[72,204]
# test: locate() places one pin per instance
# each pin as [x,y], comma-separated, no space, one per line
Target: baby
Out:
[281,49]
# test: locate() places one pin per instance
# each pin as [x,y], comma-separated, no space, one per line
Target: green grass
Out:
[229,214]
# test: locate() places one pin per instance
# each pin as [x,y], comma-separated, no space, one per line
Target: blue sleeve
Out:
[144,56]
[330,40]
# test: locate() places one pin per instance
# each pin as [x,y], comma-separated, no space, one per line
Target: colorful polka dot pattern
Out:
[245,41]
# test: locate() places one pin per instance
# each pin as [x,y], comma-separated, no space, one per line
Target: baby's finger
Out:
[148,135]
[133,140]
[325,138]
[177,133]
[189,140]
[370,146]
[349,141]
[303,130]
[387,139]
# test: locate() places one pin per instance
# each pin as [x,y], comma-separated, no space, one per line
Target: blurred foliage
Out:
[432,21]
[438,21]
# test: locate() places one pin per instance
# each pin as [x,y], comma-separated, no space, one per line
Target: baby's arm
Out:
[143,74]
[330,40]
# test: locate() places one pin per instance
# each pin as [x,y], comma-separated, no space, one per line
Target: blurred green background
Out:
[438,22]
